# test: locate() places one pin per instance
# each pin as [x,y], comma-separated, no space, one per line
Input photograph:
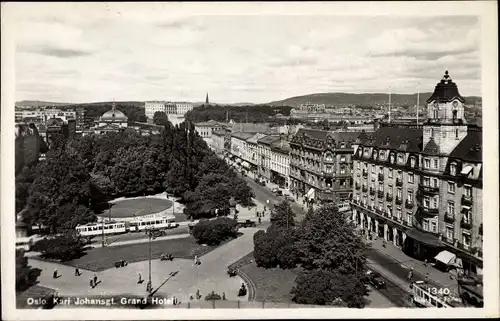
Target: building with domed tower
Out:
[111,121]
[420,186]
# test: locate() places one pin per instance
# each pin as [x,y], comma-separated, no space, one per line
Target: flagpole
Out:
[418,100]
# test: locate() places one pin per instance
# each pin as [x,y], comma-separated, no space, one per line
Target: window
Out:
[411,178]
[467,216]
[399,213]
[400,193]
[466,240]
[400,175]
[451,187]
[371,186]
[436,163]
[390,172]
[372,204]
[427,201]
[435,202]
[373,169]
[425,224]
[380,206]
[408,218]
[381,154]
[329,169]
[358,165]
[412,161]
[381,170]
[467,190]
[342,145]
[451,209]
[434,182]
[392,159]
[390,190]
[328,157]
[456,133]
[433,227]
[410,196]
[400,158]
[449,232]
[381,187]
[342,170]
[342,158]
[427,181]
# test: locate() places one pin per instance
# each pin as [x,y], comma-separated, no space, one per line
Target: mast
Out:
[390,104]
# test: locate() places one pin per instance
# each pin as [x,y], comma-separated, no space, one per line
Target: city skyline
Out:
[67,56]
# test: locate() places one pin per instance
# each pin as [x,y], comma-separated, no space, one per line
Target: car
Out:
[279,192]
[375,279]
[262,183]
[247,223]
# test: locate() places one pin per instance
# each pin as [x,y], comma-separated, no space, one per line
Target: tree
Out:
[23,182]
[326,240]
[323,287]
[25,275]
[283,215]
[160,118]
[275,247]
[62,247]
[213,232]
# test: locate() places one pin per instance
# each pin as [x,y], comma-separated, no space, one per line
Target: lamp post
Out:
[149,286]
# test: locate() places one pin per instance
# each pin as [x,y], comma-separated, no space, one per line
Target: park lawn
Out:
[99,259]
[138,206]
[272,285]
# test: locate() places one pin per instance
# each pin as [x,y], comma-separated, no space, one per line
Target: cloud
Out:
[49,50]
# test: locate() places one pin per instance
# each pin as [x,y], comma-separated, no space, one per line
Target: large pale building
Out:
[183,108]
[420,187]
[151,107]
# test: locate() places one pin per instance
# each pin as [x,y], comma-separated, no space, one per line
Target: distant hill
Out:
[38,103]
[332,99]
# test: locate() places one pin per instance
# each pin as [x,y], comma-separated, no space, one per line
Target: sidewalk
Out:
[436,278]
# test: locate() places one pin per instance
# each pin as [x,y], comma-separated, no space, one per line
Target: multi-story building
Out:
[217,143]
[264,145]
[57,126]
[28,143]
[420,187]
[183,108]
[40,116]
[111,121]
[280,162]
[253,154]
[80,119]
[321,164]
[312,108]
[239,147]
[205,129]
[151,107]
[170,108]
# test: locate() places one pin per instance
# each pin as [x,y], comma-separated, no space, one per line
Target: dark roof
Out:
[445,91]
[313,133]
[408,139]
[470,148]
[54,122]
[268,140]
[282,146]
[242,136]
[431,148]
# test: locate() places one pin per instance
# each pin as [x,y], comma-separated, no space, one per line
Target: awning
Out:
[422,237]
[245,164]
[310,193]
[466,170]
[446,257]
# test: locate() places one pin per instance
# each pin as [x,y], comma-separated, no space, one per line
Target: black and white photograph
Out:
[183,160]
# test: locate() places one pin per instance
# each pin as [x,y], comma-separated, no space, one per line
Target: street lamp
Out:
[150,233]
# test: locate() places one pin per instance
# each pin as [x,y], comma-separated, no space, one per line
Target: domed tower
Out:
[446,125]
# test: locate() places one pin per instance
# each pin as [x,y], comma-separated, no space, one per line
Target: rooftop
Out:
[445,91]
[268,140]
[470,148]
[400,138]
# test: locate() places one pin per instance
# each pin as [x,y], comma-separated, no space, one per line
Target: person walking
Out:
[54,275]
[95,279]
[77,272]
[91,283]
[140,278]
[223,295]
[195,260]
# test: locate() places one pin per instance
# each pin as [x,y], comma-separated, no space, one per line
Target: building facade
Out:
[170,108]
[264,146]
[321,164]
[40,116]
[280,162]
[111,121]
[151,107]
[182,108]
[253,153]
[205,129]
[239,147]
[28,143]
[420,187]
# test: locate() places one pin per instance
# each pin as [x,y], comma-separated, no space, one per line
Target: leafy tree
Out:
[63,247]
[324,287]
[327,241]
[283,215]
[160,118]
[25,275]
[23,182]
[275,247]
[212,232]
[264,253]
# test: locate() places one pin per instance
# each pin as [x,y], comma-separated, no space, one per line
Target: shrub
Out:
[213,296]
[64,247]
[213,232]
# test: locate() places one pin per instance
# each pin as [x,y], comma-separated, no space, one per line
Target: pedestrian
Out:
[260,221]
[426,276]
[195,260]
[77,272]
[140,278]
[223,295]
[198,295]
[95,279]
[91,283]
[410,275]
[54,275]
[425,262]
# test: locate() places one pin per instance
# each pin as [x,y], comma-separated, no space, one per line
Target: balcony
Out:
[466,225]
[467,200]
[380,194]
[380,177]
[365,173]
[358,186]
[449,218]
[409,204]
[429,190]
[372,191]
[399,200]
[364,189]
[388,197]
[399,182]
[429,212]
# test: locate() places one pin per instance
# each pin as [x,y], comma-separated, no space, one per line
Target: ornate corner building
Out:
[420,186]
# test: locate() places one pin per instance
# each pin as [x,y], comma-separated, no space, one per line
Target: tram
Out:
[426,296]
[96,229]
[154,222]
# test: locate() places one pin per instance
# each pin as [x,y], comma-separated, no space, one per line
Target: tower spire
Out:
[206,100]
[389,104]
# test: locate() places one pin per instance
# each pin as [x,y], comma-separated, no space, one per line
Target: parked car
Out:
[375,279]
[247,223]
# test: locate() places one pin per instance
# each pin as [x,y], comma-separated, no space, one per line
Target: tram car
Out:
[96,229]
[427,296]
[146,223]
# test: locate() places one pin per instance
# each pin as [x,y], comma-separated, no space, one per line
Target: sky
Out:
[146,53]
